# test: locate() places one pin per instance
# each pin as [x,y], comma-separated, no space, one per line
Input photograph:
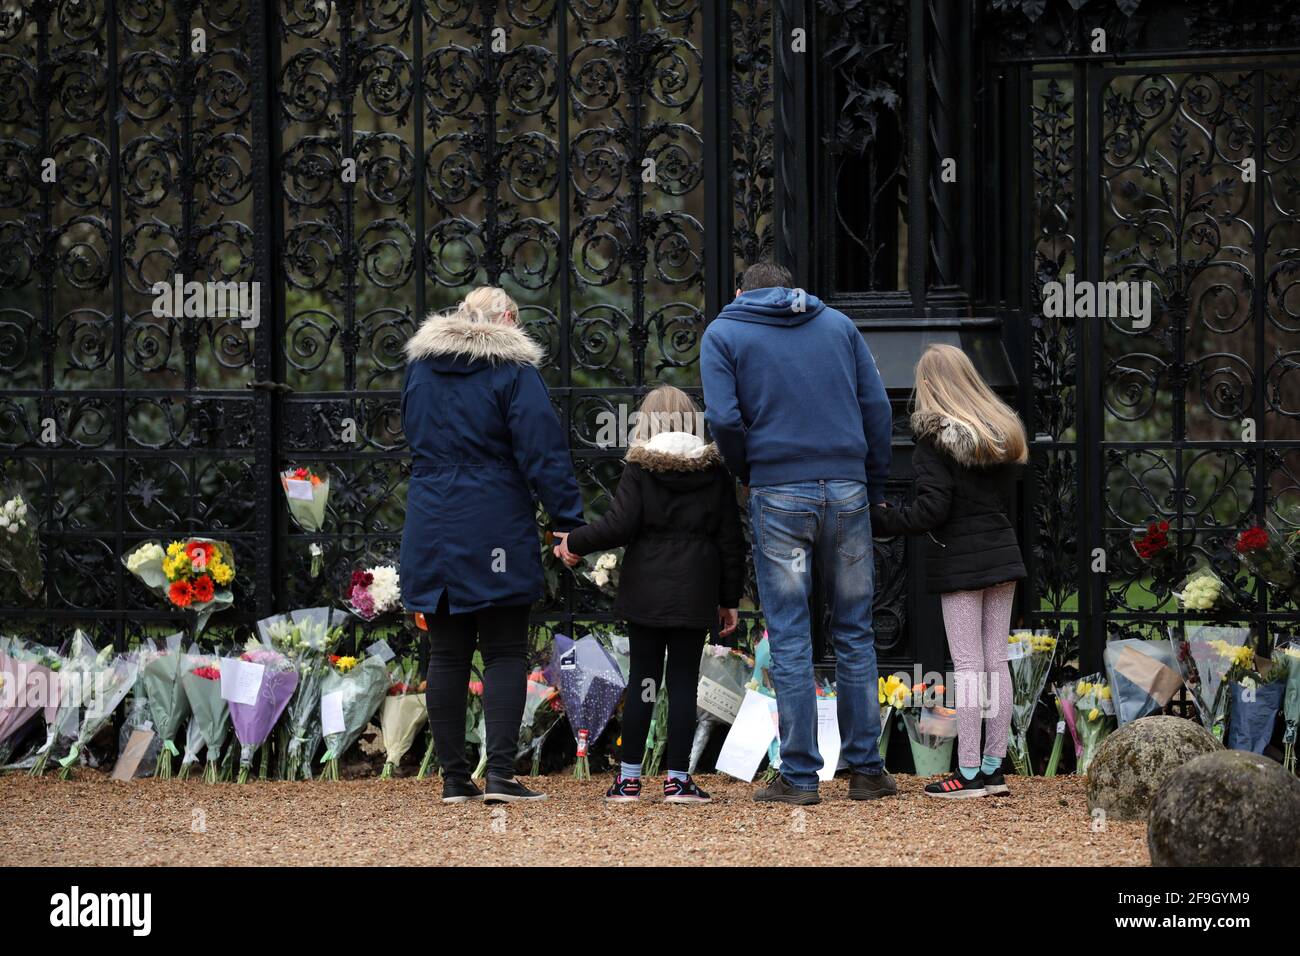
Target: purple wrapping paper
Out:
[254,722]
[590,683]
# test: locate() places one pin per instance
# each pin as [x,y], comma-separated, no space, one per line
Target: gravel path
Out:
[90,821]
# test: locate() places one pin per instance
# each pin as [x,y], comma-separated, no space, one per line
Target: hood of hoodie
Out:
[680,460]
[774,306]
[456,344]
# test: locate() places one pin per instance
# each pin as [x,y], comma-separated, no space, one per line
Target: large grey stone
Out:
[1135,760]
[1230,808]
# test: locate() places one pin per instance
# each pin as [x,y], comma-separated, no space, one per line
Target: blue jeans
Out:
[822,525]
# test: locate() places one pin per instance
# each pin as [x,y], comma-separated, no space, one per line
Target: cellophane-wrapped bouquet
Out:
[373,590]
[403,712]
[1210,660]
[72,682]
[201,681]
[542,711]
[254,720]
[1289,653]
[161,670]
[307,637]
[351,692]
[191,574]
[112,679]
[307,492]
[1029,655]
[26,674]
[591,686]
[1270,555]
[1202,590]
[1091,716]
[194,745]
[20,550]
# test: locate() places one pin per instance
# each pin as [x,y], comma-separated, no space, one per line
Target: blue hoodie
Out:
[794,395]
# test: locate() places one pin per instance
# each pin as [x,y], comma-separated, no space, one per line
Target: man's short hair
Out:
[766,274]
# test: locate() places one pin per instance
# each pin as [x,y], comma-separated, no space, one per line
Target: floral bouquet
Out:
[718,695]
[1273,560]
[931,728]
[1142,674]
[1202,590]
[24,673]
[1290,702]
[403,712]
[1257,696]
[193,574]
[257,687]
[373,591]
[111,681]
[307,491]
[893,694]
[1029,654]
[542,711]
[160,674]
[72,682]
[476,726]
[20,550]
[1210,659]
[604,572]
[1093,717]
[307,637]
[1152,546]
[201,681]
[350,693]
[591,686]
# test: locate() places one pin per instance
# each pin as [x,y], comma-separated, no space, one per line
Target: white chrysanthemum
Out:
[600,577]
[385,587]
[607,561]
[145,554]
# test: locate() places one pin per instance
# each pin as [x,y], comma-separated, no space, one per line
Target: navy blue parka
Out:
[486,446]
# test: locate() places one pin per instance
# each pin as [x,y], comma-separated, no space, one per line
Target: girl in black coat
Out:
[969,447]
[683,570]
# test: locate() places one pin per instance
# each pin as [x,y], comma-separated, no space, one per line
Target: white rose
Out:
[600,576]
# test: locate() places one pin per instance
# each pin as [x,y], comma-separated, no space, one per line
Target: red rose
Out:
[1252,539]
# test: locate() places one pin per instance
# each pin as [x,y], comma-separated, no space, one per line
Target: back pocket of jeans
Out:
[786,535]
[853,533]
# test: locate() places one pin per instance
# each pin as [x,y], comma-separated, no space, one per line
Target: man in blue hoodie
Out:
[799,412]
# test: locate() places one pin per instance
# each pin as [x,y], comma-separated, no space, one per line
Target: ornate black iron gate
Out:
[363,163]
[610,162]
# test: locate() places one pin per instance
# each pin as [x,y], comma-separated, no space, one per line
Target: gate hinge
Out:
[279,387]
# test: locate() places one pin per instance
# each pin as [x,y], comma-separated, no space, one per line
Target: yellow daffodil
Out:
[1094,714]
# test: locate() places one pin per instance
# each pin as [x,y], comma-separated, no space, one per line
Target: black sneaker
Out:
[995,785]
[684,791]
[460,790]
[623,790]
[509,790]
[871,786]
[957,787]
[780,791]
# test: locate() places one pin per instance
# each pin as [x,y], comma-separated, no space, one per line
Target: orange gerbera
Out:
[200,554]
[202,589]
[181,593]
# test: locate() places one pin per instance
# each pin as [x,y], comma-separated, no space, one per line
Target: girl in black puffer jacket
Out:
[683,571]
[969,447]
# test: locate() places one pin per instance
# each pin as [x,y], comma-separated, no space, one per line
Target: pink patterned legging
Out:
[978,624]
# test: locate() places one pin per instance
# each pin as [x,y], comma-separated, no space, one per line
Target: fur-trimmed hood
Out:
[675,452]
[952,437]
[452,335]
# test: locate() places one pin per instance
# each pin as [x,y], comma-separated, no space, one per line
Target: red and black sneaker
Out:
[684,791]
[957,787]
[623,790]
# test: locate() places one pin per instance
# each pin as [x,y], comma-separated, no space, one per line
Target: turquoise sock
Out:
[678,775]
[991,764]
[969,772]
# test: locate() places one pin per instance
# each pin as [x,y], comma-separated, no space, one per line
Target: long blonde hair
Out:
[666,409]
[948,385]
[488,304]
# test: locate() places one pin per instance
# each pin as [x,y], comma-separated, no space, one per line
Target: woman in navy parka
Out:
[485,446]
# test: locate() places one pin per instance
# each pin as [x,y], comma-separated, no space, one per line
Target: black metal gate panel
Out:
[363,163]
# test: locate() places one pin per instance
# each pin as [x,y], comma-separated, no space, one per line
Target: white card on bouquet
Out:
[298,489]
[240,680]
[828,736]
[331,713]
[749,737]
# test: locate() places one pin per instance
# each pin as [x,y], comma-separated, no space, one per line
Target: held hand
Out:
[727,620]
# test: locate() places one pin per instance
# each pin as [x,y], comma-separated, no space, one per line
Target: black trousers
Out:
[683,646]
[501,636]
